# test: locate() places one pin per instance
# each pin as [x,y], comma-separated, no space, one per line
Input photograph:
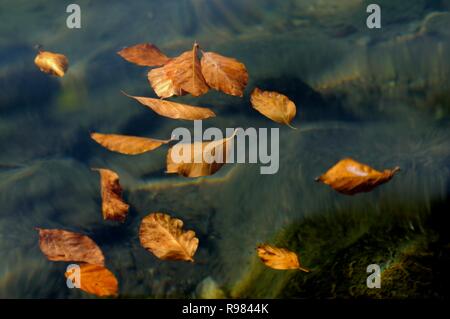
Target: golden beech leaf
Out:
[144,54]
[163,86]
[224,74]
[199,158]
[186,73]
[174,110]
[52,63]
[165,238]
[129,145]
[279,258]
[350,177]
[273,105]
[62,245]
[113,206]
[97,280]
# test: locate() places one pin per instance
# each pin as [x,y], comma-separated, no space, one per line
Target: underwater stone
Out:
[209,289]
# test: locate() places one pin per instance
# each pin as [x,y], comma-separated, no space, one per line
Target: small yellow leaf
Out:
[224,74]
[52,63]
[273,105]
[129,145]
[350,177]
[174,110]
[279,258]
[113,206]
[163,86]
[165,238]
[199,158]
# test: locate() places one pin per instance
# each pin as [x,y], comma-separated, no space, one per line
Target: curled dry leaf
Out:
[273,105]
[62,245]
[224,74]
[350,177]
[145,54]
[185,73]
[113,206]
[175,110]
[164,237]
[279,258]
[52,63]
[163,86]
[199,158]
[97,280]
[129,145]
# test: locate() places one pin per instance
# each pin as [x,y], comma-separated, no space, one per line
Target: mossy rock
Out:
[338,247]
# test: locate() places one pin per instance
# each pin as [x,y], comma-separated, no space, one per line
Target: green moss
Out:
[339,245]
[72,96]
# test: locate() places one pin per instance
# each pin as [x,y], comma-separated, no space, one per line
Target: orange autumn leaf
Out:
[97,280]
[350,177]
[185,73]
[224,74]
[62,245]
[199,158]
[129,145]
[163,86]
[164,236]
[113,206]
[52,63]
[273,105]
[144,54]
[279,258]
[174,110]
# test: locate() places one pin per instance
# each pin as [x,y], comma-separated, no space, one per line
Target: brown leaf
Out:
[350,177]
[279,258]
[145,54]
[62,245]
[199,158]
[124,144]
[163,86]
[174,110]
[185,73]
[52,63]
[224,74]
[113,206]
[164,237]
[97,280]
[273,105]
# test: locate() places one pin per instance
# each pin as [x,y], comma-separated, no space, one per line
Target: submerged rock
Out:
[209,289]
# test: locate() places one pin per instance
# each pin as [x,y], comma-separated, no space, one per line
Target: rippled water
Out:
[379,96]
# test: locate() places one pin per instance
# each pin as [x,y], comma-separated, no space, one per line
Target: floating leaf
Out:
[97,280]
[52,63]
[350,177]
[145,54]
[185,73]
[129,145]
[224,74]
[113,206]
[279,258]
[163,86]
[199,158]
[164,237]
[175,110]
[273,105]
[62,245]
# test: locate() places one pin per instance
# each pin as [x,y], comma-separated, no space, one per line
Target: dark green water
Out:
[379,96]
